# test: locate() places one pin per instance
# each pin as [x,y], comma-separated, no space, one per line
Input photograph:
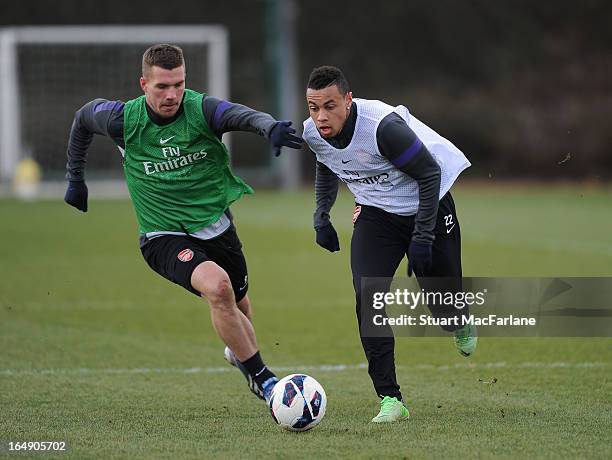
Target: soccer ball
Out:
[298,402]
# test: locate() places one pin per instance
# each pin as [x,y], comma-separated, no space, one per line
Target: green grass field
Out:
[99,351]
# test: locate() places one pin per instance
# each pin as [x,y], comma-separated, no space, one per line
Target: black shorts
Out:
[175,257]
[381,240]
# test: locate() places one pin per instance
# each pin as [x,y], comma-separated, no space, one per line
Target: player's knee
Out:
[220,293]
[244,305]
[214,284]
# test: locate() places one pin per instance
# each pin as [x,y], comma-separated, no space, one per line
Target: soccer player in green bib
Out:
[180,182]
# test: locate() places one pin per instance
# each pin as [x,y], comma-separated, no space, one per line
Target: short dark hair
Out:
[162,55]
[327,75]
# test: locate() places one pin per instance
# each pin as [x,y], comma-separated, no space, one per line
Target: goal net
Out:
[48,73]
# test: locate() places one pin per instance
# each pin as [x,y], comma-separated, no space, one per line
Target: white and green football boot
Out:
[466,340]
[391,410]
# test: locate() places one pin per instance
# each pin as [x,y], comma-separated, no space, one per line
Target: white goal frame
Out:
[11,148]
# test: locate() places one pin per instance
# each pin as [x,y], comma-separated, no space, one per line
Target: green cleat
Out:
[391,410]
[466,340]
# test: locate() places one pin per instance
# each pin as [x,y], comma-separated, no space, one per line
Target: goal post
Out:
[49,72]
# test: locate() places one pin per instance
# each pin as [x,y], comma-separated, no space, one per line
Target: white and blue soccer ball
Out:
[298,402]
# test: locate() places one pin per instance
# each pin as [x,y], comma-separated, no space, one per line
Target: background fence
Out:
[525,89]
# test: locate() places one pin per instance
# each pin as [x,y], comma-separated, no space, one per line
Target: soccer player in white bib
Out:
[400,172]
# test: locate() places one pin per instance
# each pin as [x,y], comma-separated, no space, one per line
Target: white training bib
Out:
[370,176]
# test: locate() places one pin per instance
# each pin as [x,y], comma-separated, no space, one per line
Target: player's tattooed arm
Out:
[405,150]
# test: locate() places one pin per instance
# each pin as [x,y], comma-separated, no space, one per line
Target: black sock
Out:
[257,369]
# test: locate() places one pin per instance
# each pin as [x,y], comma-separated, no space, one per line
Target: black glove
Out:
[76,195]
[282,135]
[328,238]
[419,258]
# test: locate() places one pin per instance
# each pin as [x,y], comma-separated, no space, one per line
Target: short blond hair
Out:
[162,55]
